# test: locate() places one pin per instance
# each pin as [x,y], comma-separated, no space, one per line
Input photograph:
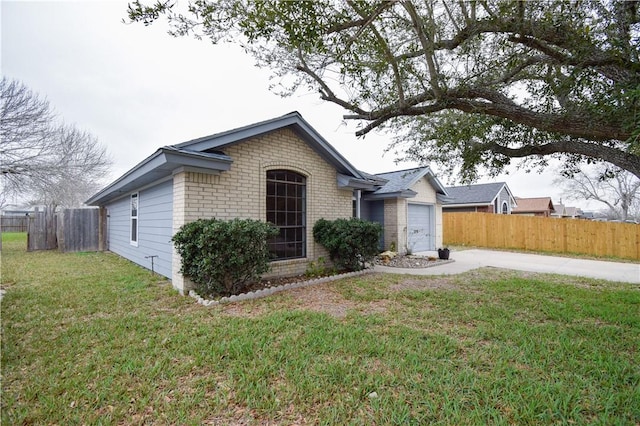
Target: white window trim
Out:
[502,209]
[136,217]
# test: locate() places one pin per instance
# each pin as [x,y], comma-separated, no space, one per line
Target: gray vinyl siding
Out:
[374,212]
[155,228]
[502,197]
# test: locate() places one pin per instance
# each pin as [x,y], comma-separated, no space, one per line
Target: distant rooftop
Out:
[532,205]
[482,193]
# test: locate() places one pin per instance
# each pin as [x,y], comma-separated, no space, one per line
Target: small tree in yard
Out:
[223,257]
[41,159]
[350,242]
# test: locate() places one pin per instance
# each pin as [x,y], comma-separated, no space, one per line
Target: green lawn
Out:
[89,338]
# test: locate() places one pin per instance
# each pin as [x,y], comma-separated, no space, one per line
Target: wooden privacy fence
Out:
[41,231]
[14,223]
[542,234]
[81,230]
[67,230]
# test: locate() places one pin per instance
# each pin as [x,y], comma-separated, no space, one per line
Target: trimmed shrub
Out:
[222,257]
[350,242]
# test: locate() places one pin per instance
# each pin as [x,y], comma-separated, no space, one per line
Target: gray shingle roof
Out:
[399,181]
[482,193]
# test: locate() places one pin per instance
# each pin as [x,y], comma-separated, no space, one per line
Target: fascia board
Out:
[325,149]
[145,166]
[435,183]
[236,135]
[345,181]
[194,160]
[160,164]
[398,194]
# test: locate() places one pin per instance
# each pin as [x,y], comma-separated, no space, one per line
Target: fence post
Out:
[102,229]
[60,231]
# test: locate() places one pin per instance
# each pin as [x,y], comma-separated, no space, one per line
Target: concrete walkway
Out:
[466,260]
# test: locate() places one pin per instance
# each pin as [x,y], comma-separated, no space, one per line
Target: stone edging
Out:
[440,262]
[273,290]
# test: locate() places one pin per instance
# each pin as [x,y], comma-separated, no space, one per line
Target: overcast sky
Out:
[136,88]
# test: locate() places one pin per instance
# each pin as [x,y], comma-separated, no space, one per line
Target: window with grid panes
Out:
[286,209]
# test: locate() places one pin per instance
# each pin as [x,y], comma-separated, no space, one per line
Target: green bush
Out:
[350,242]
[222,257]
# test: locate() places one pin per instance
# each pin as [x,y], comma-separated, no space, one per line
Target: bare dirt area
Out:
[316,298]
[330,299]
[325,298]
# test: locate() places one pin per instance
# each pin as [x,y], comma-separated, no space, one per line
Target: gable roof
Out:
[399,183]
[532,205]
[204,153]
[293,120]
[479,194]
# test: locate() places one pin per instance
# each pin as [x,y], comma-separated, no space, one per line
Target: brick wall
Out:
[391,224]
[395,223]
[241,191]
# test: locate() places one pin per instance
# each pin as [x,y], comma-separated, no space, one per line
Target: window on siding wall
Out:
[505,208]
[286,209]
[134,219]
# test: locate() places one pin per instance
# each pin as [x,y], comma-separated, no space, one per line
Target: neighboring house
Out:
[538,206]
[588,215]
[480,198]
[567,212]
[573,212]
[281,171]
[559,210]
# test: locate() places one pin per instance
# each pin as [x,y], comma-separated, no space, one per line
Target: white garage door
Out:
[421,228]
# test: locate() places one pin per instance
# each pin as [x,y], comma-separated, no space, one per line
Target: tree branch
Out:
[615,156]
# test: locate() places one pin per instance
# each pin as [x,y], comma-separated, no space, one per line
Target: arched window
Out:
[505,208]
[286,209]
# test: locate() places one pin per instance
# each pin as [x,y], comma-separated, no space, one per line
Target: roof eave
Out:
[408,193]
[159,165]
[349,182]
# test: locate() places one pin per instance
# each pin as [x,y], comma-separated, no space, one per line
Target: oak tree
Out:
[462,83]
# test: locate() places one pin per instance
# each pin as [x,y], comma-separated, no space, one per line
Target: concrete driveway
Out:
[466,260]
